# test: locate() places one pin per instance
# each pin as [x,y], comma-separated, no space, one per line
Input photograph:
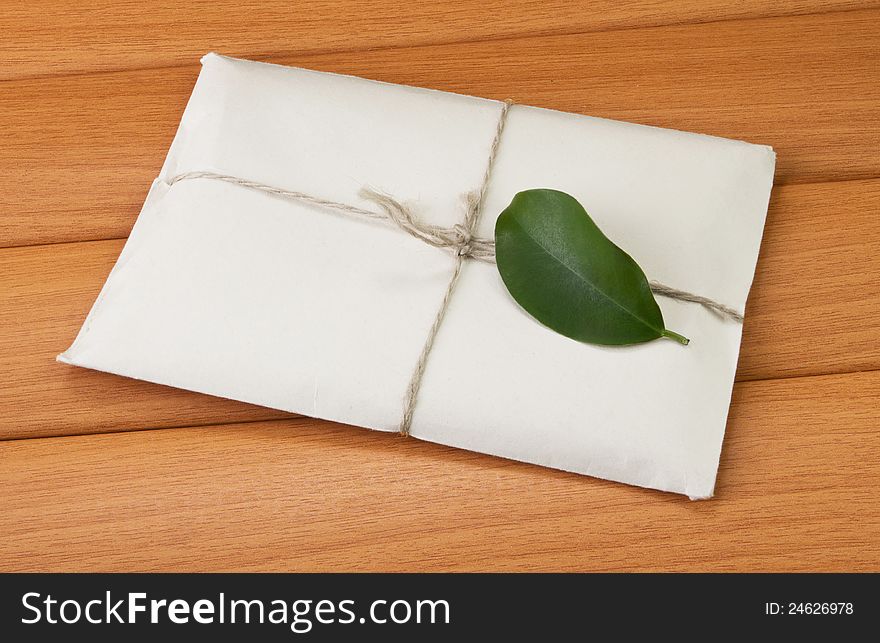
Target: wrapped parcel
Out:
[240,294]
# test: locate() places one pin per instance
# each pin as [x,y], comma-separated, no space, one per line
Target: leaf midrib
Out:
[592,286]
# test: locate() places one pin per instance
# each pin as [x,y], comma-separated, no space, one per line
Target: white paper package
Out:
[240,294]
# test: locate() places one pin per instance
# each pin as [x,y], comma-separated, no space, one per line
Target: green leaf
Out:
[563,271]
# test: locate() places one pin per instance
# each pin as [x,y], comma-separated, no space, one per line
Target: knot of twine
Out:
[460,239]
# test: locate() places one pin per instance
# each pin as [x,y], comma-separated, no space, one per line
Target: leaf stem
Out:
[684,341]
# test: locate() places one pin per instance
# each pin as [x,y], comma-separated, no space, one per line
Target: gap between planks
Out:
[796,491]
[819,261]
[293,419]
[66,242]
[78,155]
[820,9]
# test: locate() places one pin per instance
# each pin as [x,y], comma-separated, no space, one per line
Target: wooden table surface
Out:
[104,473]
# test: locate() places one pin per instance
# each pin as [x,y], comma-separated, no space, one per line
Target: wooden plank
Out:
[45,294]
[62,37]
[815,305]
[815,308]
[79,152]
[797,491]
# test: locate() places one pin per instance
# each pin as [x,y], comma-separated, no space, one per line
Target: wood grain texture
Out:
[45,294]
[90,97]
[813,310]
[796,491]
[815,304]
[60,37]
[80,152]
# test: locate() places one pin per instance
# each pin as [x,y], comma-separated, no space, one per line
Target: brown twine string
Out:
[465,249]
[459,238]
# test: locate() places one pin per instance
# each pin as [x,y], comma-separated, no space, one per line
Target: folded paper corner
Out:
[65,356]
[211,55]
